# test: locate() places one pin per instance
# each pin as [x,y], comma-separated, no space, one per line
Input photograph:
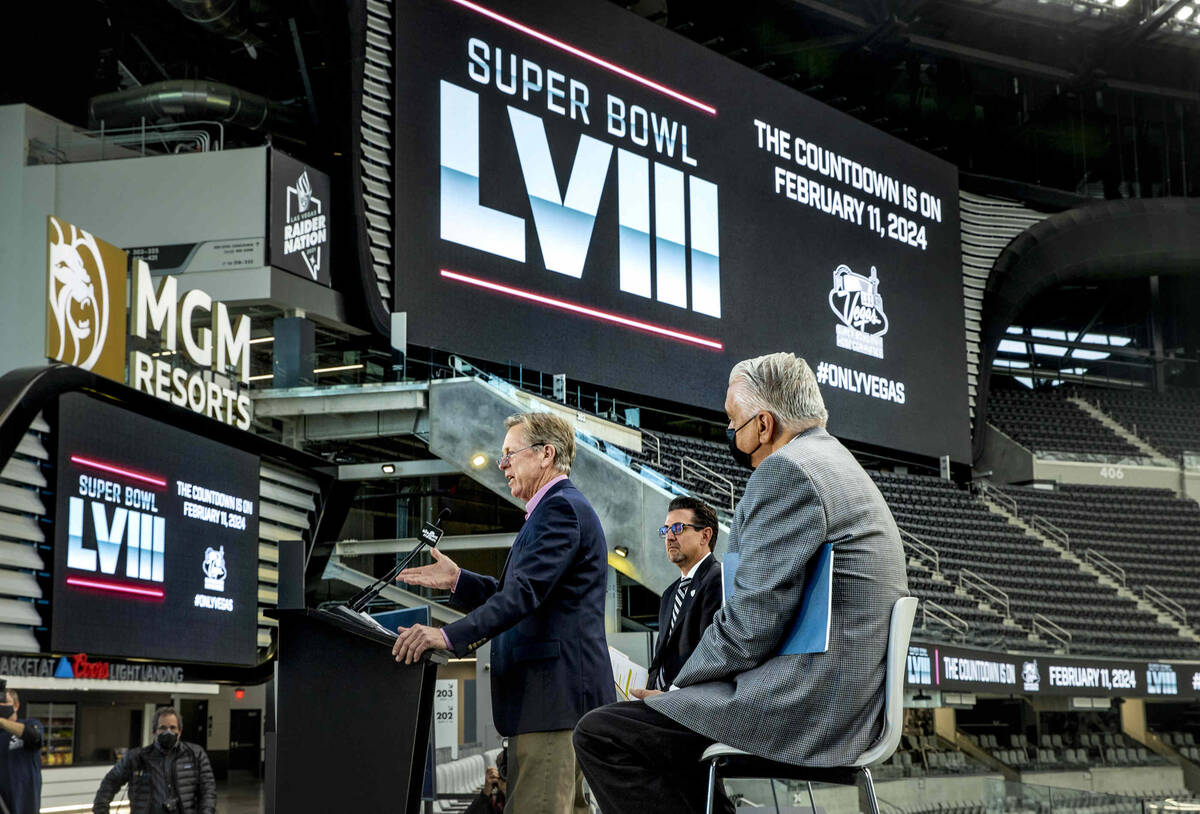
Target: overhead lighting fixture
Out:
[478,460]
[1184,13]
[388,469]
[262,339]
[263,377]
[621,551]
[338,368]
[1120,3]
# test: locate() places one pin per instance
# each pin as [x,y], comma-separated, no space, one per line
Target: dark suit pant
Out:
[636,759]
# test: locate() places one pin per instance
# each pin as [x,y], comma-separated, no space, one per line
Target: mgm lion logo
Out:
[85,300]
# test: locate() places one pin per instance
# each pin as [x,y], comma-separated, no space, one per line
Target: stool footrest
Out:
[758,767]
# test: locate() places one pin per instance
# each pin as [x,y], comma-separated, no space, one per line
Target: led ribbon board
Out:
[156,540]
[586,192]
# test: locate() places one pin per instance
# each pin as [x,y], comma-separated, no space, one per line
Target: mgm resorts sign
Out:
[87,324]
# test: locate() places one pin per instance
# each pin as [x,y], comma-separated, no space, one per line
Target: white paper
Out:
[368,619]
[627,674]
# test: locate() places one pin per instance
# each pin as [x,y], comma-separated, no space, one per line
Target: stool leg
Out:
[811,801]
[712,784]
[870,791]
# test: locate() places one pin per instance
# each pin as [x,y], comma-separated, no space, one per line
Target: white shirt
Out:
[691,573]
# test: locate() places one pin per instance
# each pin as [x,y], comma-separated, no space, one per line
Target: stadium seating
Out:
[969,536]
[1045,422]
[1150,533]
[1170,422]
[711,480]
[1184,743]
[461,777]
[987,628]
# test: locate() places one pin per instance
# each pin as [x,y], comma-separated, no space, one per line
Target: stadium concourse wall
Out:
[1009,462]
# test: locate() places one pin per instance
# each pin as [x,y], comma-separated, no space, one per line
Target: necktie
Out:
[680,593]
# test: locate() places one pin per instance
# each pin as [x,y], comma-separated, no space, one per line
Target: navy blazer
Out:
[545,618]
[695,615]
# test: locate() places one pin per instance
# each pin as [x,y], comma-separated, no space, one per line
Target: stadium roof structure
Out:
[1021,89]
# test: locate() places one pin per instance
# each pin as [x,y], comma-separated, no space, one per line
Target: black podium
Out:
[351,725]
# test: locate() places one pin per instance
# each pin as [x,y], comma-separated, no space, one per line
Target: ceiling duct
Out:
[188,100]
[221,17]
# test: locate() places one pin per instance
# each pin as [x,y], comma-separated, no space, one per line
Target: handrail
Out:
[932,611]
[987,490]
[922,550]
[969,579]
[1102,562]
[646,436]
[709,475]
[1043,624]
[1050,530]
[1168,604]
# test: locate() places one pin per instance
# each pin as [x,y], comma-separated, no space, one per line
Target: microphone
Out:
[431,534]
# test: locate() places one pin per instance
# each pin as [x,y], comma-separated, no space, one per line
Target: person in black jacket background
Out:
[20,758]
[689,604]
[169,775]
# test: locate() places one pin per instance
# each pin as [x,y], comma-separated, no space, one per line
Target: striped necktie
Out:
[680,593]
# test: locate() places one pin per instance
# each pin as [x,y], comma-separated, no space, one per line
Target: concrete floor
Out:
[240,793]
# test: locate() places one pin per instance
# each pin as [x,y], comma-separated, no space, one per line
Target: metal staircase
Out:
[1157,458]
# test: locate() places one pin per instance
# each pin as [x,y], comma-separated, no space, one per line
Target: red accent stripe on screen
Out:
[575,308]
[584,55]
[118,470]
[116,587]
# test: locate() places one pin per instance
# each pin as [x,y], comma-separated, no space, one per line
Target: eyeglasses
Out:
[677,529]
[504,460]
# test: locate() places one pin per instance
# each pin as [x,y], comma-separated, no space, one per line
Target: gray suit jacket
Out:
[822,709]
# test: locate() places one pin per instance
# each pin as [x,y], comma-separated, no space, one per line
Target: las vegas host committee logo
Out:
[856,301]
[85,300]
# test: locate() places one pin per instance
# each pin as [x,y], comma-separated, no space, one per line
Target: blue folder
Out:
[810,632]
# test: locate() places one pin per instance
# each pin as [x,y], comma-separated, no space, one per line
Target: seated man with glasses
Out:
[689,604]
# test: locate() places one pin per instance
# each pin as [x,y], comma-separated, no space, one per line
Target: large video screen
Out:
[587,193]
[156,540]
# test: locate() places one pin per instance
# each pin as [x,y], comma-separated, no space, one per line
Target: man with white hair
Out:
[812,709]
[544,617]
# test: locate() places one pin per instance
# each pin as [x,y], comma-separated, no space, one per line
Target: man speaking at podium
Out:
[545,617]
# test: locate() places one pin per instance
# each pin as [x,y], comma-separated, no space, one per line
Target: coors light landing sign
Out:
[299,218]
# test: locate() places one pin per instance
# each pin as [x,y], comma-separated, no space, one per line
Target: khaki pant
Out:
[543,777]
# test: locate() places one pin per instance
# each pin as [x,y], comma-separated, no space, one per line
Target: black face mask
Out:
[741,458]
[6,710]
[167,740]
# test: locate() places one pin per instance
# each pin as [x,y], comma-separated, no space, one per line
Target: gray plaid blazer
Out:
[822,709]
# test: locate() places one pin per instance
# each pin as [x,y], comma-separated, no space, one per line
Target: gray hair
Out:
[783,385]
[547,428]
[163,712]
